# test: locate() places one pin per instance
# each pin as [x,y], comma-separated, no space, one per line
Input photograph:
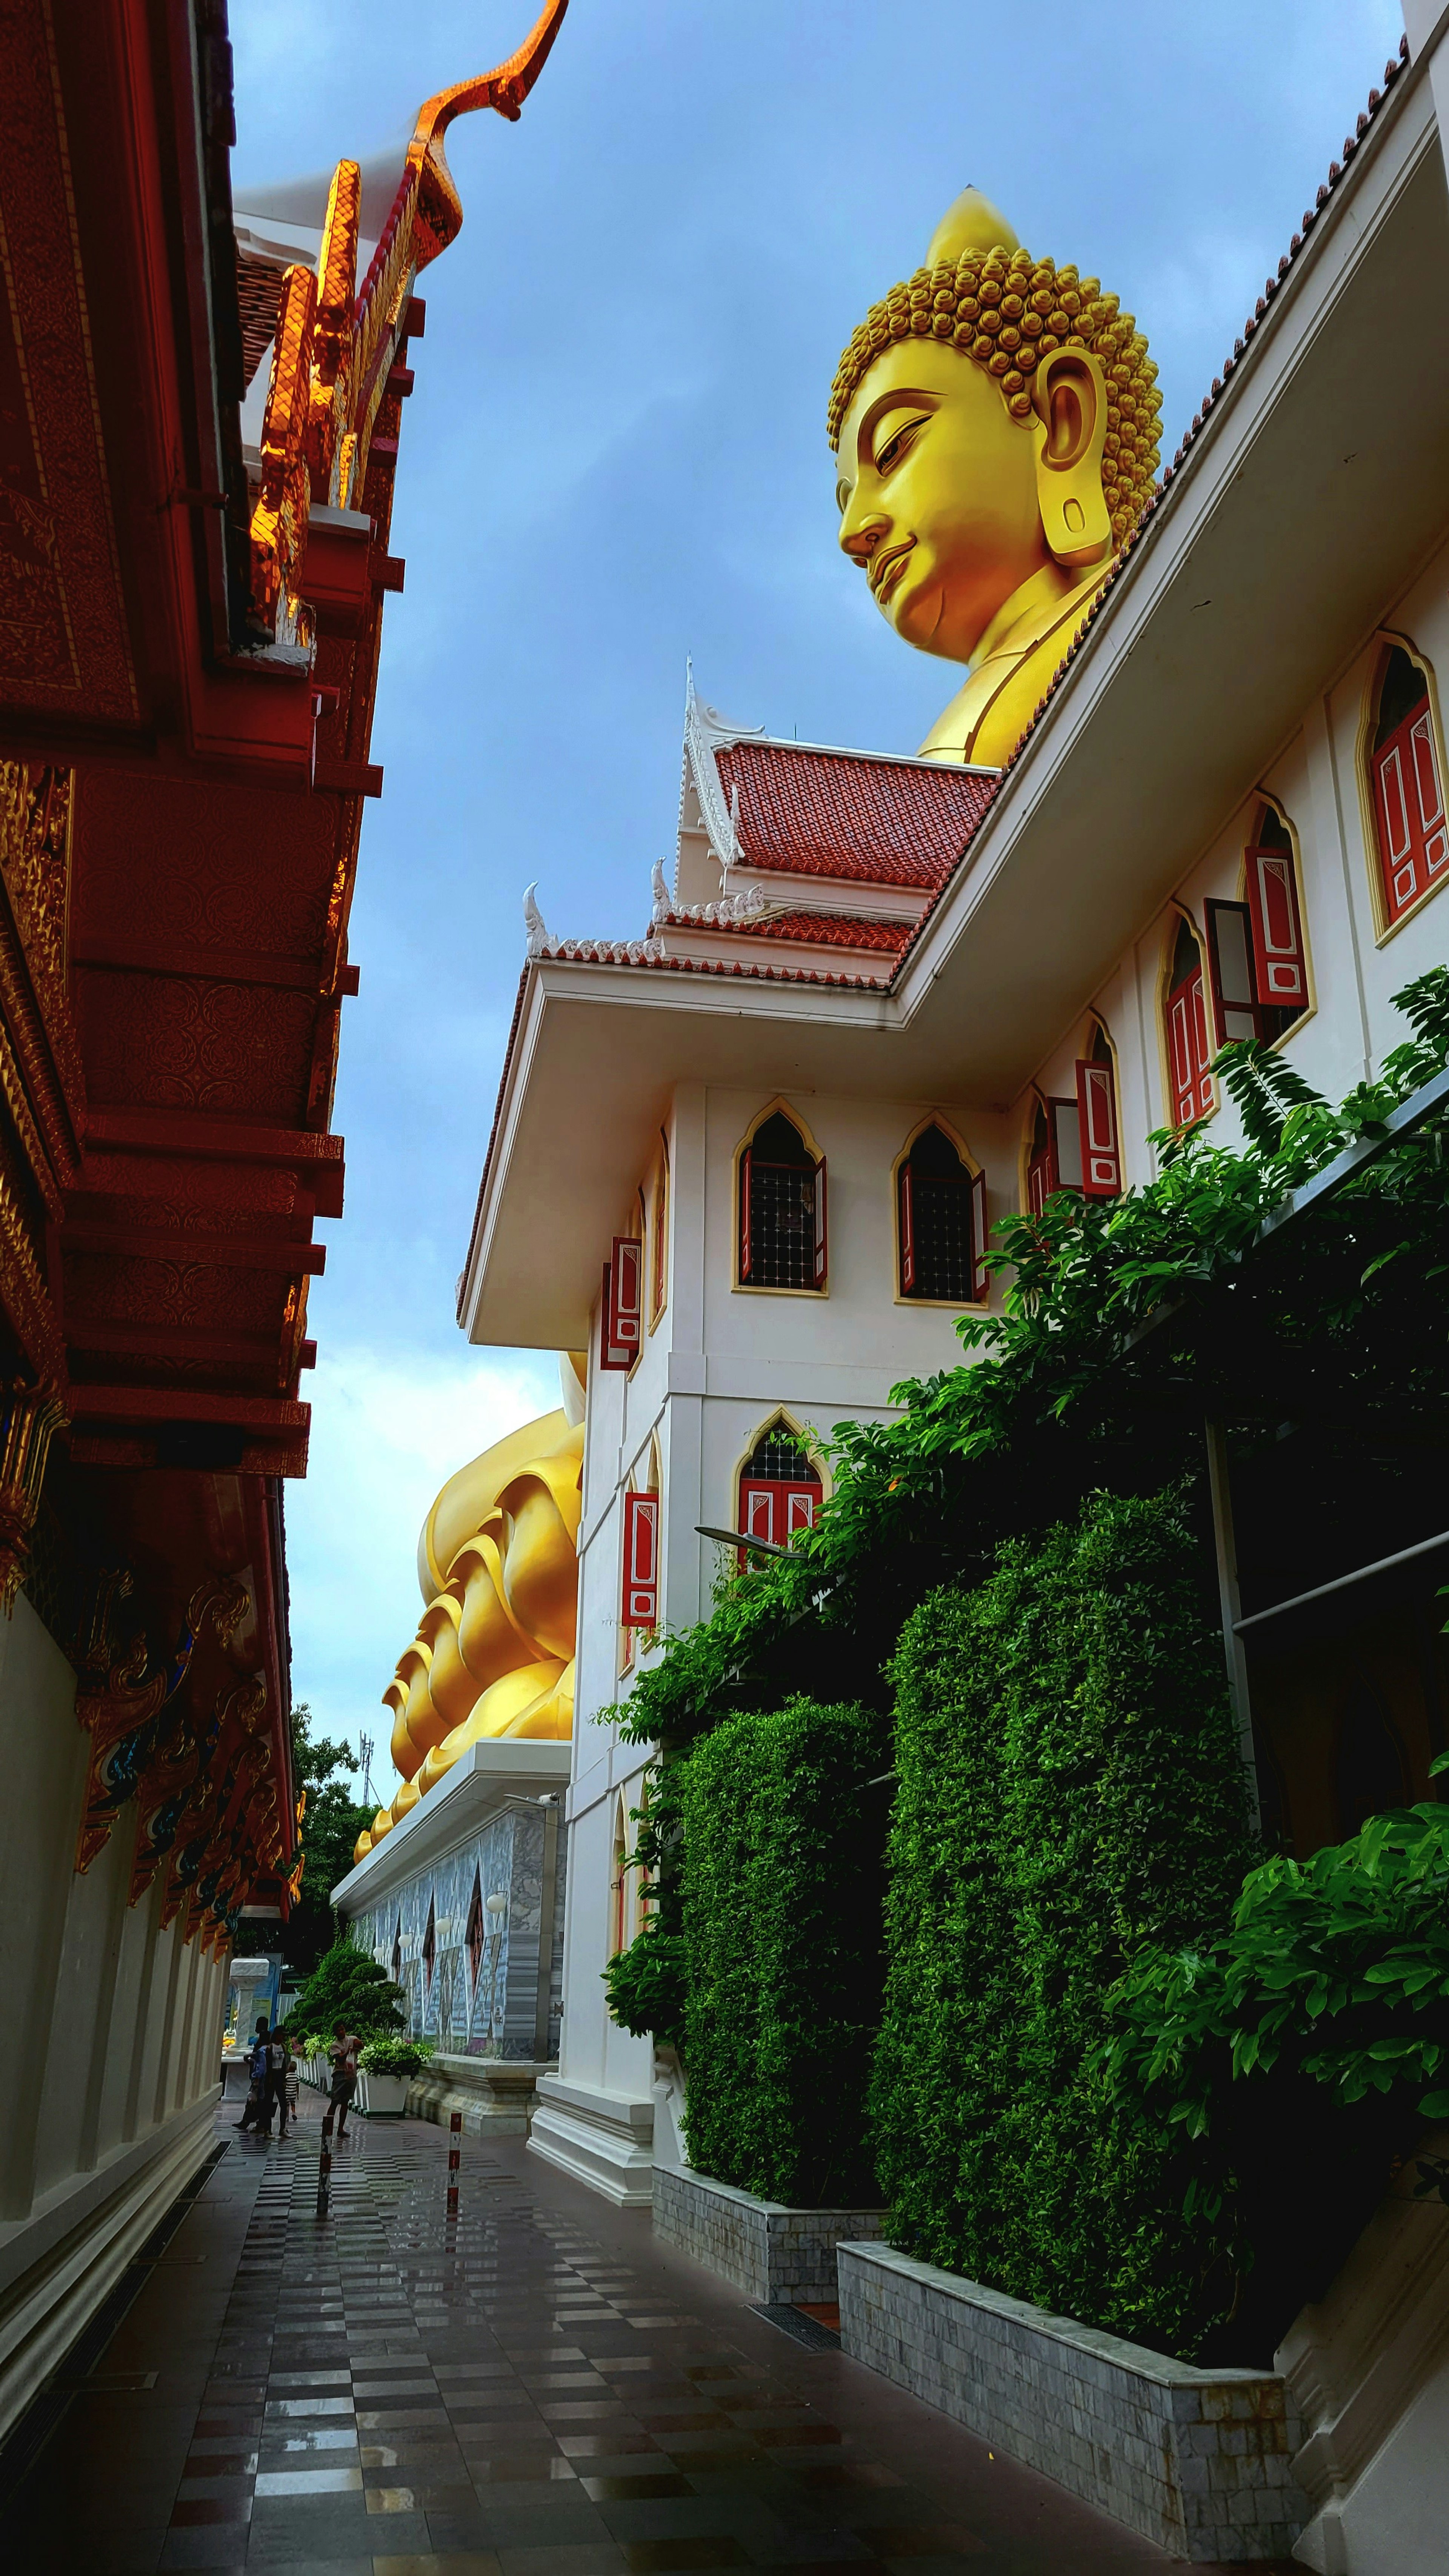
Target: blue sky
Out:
[614,457]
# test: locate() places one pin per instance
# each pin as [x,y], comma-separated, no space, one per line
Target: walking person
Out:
[257,2111]
[279,2061]
[343,2053]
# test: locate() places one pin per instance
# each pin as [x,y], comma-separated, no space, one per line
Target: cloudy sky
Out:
[615,457]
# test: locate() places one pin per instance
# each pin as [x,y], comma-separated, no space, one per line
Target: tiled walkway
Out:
[530,2390]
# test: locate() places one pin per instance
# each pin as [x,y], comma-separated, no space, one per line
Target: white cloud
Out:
[388,1429]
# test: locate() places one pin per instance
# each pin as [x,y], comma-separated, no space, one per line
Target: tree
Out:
[347,1986]
[330,1827]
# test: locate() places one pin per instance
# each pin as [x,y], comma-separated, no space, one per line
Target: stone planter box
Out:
[381,2097]
[494,2094]
[777,2256]
[1199,2461]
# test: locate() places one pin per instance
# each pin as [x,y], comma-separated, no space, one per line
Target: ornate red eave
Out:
[188,669]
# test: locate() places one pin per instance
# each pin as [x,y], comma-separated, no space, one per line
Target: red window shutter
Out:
[1282,968]
[641,1561]
[1066,1144]
[623,1304]
[821,1246]
[908,1230]
[1187,1038]
[1231,960]
[980,1238]
[1097,1121]
[1043,1176]
[1409,805]
[773,1510]
[747,1167]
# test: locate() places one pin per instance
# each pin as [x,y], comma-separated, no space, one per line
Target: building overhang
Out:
[1316,484]
[479,1783]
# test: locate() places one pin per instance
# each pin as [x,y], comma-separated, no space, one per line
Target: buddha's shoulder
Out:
[987,718]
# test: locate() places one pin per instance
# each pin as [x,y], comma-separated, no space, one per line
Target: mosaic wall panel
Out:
[470,1975]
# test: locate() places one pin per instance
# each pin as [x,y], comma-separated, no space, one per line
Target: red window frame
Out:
[822,1249]
[639,1600]
[1188,1053]
[621,1319]
[774,1508]
[975,1182]
[1057,1165]
[1101,1145]
[1413,836]
[1280,960]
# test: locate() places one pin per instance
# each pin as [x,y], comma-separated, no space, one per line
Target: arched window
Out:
[780,1491]
[1076,1144]
[1189,1054]
[782,1209]
[1255,949]
[941,1222]
[1408,793]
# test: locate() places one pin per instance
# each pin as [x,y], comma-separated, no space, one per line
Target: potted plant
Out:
[385,2069]
[314,2059]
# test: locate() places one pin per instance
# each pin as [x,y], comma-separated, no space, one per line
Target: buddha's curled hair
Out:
[1008,311]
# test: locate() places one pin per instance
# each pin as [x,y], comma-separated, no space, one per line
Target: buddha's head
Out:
[994,416]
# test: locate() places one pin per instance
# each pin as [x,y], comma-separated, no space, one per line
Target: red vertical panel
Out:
[640,1607]
[1097,1116]
[1278,955]
[980,1238]
[622,1326]
[1187,1039]
[1203,1053]
[800,1502]
[747,1165]
[908,1230]
[1409,808]
[822,1264]
[1231,953]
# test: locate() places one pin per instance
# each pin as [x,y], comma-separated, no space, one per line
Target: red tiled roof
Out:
[829,814]
[829,930]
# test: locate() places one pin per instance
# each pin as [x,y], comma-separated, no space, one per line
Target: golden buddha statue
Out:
[498,1571]
[995,423]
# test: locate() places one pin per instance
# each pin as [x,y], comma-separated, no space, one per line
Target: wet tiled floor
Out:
[531,2389]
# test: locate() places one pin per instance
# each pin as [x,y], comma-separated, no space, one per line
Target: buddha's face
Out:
[939,494]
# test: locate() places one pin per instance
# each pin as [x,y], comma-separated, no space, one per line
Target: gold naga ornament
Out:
[498,1569]
[995,420]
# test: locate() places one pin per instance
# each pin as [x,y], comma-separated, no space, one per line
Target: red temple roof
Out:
[834,814]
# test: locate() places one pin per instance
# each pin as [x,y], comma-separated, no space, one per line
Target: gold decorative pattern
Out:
[332,354]
[33,1415]
[120,1709]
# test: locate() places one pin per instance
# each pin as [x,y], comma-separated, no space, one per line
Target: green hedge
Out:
[782,1929]
[1069,1786]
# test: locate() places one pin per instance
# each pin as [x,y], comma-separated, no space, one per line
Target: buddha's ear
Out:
[1069,396]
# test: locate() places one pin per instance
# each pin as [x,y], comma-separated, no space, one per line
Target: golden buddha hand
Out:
[994,421]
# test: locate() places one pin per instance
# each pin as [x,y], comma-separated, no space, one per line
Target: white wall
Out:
[110,2029]
[1354,968]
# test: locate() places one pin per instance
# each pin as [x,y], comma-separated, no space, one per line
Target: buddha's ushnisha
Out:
[995,423]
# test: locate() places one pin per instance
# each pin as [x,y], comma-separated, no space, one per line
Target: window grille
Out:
[938,1221]
[780,1492]
[782,1210]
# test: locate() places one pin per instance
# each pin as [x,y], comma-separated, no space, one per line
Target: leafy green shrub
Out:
[1070,1785]
[646,1985]
[781,1915]
[1320,2016]
[395,2056]
[349,1987]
